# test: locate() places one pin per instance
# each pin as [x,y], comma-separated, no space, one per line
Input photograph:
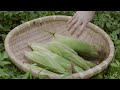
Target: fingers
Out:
[82,29]
[72,23]
[75,27]
[71,19]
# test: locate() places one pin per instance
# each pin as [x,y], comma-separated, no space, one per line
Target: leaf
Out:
[114,36]
[108,25]
[3,36]
[117,42]
[117,53]
[31,75]
[118,63]
[0,55]
[1,47]
[3,74]
[3,63]
[114,65]
[26,76]
[2,28]
[4,55]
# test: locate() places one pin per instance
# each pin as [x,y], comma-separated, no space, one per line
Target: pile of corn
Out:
[63,55]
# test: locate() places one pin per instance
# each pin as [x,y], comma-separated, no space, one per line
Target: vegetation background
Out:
[107,20]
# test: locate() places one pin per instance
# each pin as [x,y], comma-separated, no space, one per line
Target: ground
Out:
[107,20]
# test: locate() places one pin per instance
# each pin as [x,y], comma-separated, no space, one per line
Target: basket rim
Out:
[86,74]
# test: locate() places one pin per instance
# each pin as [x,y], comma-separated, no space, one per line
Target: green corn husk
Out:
[91,64]
[60,49]
[38,47]
[65,63]
[42,72]
[83,49]
[77,69]
[62,61]
[63,51]
[45,60]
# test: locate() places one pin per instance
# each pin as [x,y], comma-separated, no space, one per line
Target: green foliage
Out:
[110,22]
[107,20]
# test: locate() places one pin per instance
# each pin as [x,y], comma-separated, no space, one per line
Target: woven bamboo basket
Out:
[16,43]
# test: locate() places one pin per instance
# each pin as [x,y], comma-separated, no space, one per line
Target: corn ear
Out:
[77,69]
[62,61]
[45,60]
[91,64]
[83,49]
[41,71]
[38,47]
[64,52]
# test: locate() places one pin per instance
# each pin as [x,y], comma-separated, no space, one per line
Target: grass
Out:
[107,20]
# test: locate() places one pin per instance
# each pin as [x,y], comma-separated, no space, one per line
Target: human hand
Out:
[80,21]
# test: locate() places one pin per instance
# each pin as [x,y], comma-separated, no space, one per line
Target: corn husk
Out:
[60,49]
[45,60]
[83,49]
